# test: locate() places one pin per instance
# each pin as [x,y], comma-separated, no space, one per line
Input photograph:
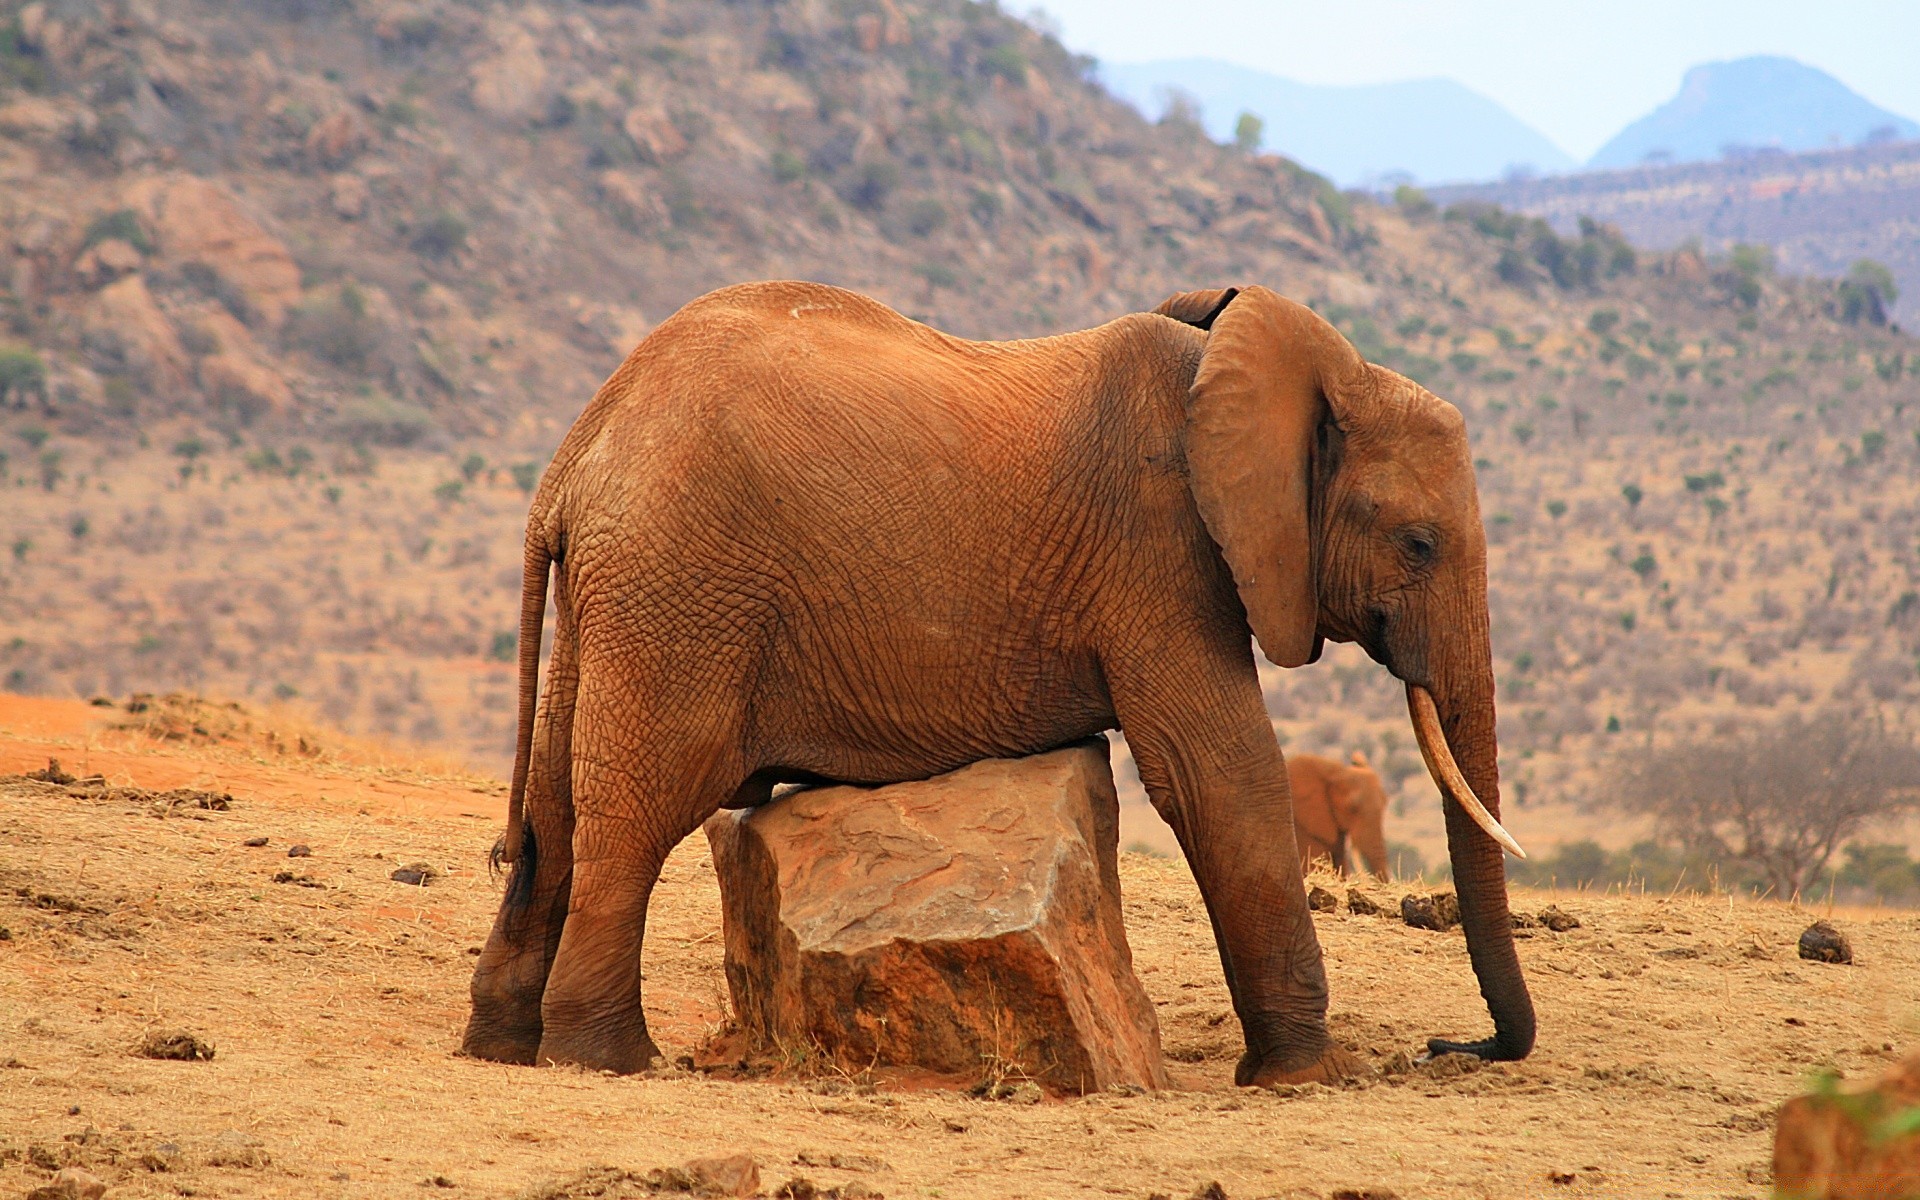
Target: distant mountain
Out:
[1434,130]
[1752,103]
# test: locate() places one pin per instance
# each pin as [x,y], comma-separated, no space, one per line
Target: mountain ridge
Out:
[1434,130]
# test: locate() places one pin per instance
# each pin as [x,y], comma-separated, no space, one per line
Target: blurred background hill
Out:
[300,294]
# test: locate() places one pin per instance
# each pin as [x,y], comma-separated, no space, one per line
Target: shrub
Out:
[1779,798]
[22,373]
[1248,131]
[122,224]
[441,235]
[1633,494]
[1644,565]
[381,420]
[471,466]
[925,216]
[872,184]
[337,330]
[1867,293]
[505,645]
[1413,203]
[788,167]
[526,476]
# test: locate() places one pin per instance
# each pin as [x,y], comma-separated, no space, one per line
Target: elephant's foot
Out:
[505,1023]
[519,1046]
[1331,1065]
[624,1050]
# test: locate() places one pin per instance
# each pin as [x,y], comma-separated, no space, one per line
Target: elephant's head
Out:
[1342,497]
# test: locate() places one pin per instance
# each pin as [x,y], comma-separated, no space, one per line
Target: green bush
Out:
[788,167]
[441,235]
[22,374]
[873,182]
[382,420]
[506,644]
[1867,293]
[1248,131]
[526,476]
[925,216]
[122,224]
[1413,203]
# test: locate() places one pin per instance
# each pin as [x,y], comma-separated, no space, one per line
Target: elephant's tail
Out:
[533,611]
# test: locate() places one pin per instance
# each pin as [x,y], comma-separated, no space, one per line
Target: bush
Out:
[526,476]
[1413,203]
[925,216]
[872,184]
[1867,293]
[788,167]
[337,330]
[123,225]
[382,420]
[1779,799]
[1248,131]
[22,373]
[505,646]
[441,235]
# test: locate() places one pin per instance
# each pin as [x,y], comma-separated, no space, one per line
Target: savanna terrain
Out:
[331,997]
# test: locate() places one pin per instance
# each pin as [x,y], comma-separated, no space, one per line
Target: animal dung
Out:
[1438,912]
[415,874]
[1821,942]
[176,1045]
[1362,905]
[1320,899]
[1553,918]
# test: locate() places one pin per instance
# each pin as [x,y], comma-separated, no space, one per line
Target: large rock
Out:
[196,221]
[1852,1143]
[126,334]
[968,925]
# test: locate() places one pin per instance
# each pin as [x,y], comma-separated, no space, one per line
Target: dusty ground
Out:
[1671,1028]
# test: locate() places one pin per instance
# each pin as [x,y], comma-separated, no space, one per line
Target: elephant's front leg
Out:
[1212,768]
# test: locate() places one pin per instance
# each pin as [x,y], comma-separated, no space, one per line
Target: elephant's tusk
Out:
[1446,772]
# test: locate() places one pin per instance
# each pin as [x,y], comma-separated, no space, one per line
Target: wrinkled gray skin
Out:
[797,536]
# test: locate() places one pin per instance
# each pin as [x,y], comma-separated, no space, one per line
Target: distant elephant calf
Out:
[797,536]
[1336,803]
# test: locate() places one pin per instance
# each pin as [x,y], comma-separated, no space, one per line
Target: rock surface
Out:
[968,925]
[1852,1143]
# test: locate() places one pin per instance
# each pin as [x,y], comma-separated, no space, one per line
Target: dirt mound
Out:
[196,720]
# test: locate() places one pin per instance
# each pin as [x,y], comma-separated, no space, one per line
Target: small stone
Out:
[1823,943]
[175,1045]
[414,874]
[71,1184]
[161,1158]
[1320,899]
[731,1175]
[1362,905]
[953,1126]
[439,1181]
[1559,1177]
[1558,921]
[797,1188]
[1209,1191]
[299,850]
[1438,912]
[853,1189]
[255,842]
[1369,1193]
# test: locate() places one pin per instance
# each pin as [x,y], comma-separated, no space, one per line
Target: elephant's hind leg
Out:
[648,769]
[512,972]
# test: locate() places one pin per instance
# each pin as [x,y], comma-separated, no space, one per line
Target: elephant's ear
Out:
[1272,371]
[1197,308]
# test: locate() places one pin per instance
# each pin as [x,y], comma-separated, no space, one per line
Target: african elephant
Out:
[1336,802]
[799,537]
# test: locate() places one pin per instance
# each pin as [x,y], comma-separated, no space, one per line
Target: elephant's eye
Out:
[1420,544]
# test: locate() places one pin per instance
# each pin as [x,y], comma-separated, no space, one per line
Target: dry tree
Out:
[1779,798]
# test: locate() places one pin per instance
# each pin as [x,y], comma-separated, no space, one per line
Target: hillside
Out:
[332,997]
[302,294]
[1753,103]
[1820,211]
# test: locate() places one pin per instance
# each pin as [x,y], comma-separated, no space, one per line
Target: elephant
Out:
[1334,802]
[798,537]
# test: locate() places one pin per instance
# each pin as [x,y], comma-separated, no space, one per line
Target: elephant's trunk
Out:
[1370,839]
[1457,739]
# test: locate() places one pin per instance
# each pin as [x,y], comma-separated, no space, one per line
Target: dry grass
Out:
[1671,1027]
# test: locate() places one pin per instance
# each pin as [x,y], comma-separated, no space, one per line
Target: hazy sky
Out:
[1577,72]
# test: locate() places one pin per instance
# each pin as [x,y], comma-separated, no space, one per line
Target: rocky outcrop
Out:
[968,925]
[1852,1143]
[198,222]
[125,333]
